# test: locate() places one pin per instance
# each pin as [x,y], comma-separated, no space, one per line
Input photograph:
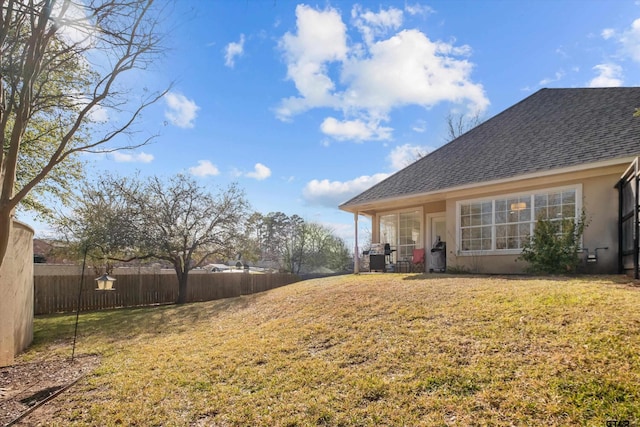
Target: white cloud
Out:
[366,82]
[630,41]
[410,69]
[140,157]
[609,75]
[73,23]
[204,168]
[418,9]
[321,39]
[372,25]
[98,114]
[607,33]
[181,111]
[332,193]
[233,50]
[420,126]
[557,77]
[261,172]
[403,155]
[356,130]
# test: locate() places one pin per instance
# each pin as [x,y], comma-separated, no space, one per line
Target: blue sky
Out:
[305,105]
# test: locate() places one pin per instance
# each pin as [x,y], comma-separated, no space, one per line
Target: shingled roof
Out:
[551,129]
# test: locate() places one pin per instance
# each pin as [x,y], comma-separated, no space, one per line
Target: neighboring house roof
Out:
[551,129]
[50,251]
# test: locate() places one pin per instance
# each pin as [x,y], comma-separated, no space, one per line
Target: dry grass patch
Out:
[363,350]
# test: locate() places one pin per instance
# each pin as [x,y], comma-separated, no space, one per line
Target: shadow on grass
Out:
[126,323]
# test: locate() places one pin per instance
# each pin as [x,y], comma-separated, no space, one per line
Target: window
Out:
[476,220]
[402,230]
[506,223]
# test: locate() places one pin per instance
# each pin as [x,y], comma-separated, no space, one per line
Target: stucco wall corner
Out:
[16,294]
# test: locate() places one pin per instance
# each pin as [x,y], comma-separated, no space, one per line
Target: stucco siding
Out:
[16,294]
[599,200]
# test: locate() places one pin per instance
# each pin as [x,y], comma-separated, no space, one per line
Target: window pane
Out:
[486,244]
[523,240]
[501,217]
[541,213]
[540,200]
[568,211]
[569,197]
[476,233]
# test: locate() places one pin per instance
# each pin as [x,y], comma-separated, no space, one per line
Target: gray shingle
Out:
[553,128]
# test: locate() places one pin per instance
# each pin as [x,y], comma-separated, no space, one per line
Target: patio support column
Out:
[356,254]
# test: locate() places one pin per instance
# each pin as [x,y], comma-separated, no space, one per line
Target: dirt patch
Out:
[25,386]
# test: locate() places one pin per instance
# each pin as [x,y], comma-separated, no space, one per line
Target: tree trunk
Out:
[5,231]
[182,286]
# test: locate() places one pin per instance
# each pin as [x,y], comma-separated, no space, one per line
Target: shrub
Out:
[555,246]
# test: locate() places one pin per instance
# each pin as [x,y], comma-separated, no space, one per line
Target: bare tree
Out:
[61,63]
[176,220]
[461,123]
[185,225]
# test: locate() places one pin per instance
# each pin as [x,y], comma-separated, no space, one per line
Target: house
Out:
[556,153]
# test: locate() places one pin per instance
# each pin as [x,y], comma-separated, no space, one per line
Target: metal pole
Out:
[75,332]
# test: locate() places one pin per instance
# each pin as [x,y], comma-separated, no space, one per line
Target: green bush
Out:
[555,246]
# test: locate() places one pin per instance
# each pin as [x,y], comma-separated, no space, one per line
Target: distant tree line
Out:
[296,245]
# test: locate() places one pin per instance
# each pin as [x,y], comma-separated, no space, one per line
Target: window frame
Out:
[531,194]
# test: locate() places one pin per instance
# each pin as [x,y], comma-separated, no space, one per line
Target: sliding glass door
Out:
[403,231]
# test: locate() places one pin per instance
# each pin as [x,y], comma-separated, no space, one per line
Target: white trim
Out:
[459,252]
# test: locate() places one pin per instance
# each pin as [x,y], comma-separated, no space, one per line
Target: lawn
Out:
[365,350]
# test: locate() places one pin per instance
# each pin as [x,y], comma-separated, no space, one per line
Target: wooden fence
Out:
[59,294]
